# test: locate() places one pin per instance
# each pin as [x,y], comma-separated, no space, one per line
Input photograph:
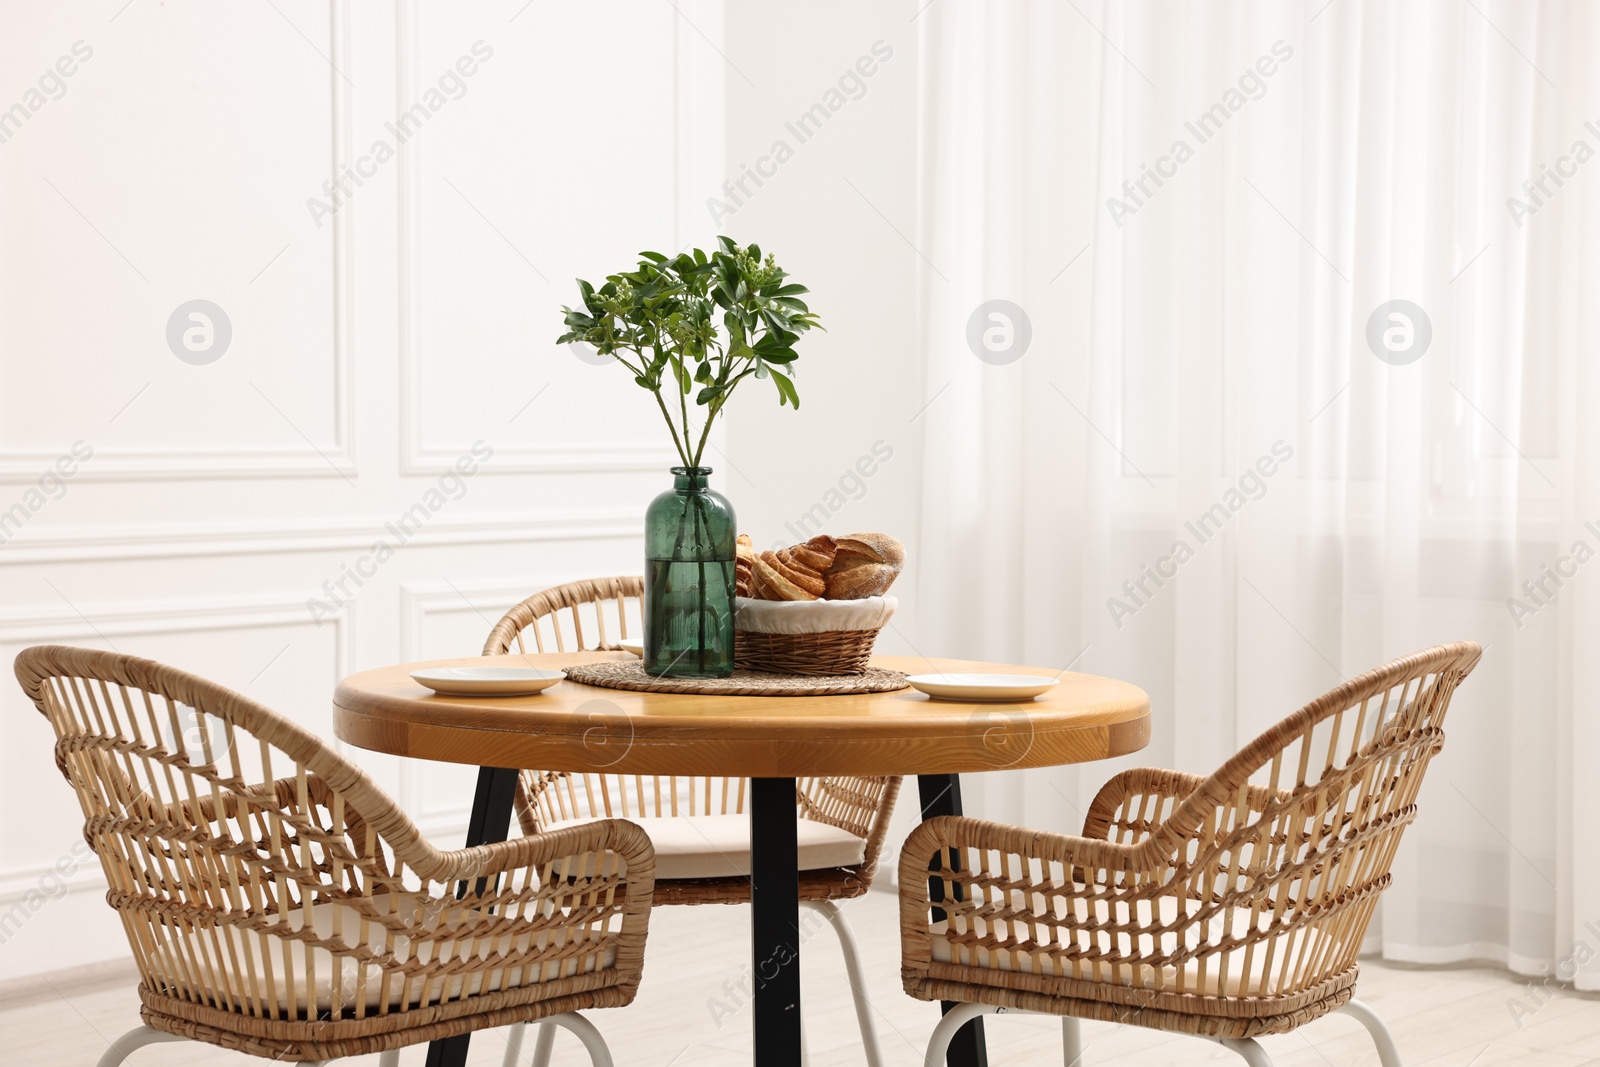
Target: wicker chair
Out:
[278,903]
[698,826]
[1227,906]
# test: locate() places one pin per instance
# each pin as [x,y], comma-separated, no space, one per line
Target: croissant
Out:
[813,557]
[865,564]
[769,583]
[793,573]
[743,566]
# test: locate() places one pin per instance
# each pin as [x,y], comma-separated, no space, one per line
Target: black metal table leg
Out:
[775,921]
[491,821]
[941,795]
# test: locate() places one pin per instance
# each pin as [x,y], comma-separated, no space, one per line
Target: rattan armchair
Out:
[699,826]
[277,902]
[1228,906]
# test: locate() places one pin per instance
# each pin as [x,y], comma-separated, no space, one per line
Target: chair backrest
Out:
[589,615]
[597,611]
[259,872]
[550,797]
[1278,858]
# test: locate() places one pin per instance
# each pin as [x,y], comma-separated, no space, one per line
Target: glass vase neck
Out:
[690,479]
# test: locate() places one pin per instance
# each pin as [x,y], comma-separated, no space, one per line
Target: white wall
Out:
[840,214]
[368,352]
[834,211]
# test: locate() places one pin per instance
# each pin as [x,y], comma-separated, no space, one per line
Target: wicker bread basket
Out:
[808,636]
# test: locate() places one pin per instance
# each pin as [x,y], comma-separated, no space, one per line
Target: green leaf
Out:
[786,390]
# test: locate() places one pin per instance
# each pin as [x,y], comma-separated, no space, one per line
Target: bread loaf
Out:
[865,564]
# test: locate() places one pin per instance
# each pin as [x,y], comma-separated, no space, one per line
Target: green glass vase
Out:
[689,535]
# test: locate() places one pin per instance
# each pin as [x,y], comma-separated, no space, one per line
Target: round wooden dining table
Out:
[772,740]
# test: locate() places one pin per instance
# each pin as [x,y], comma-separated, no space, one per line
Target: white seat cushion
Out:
[718,846]
[273,968]
[1207,975]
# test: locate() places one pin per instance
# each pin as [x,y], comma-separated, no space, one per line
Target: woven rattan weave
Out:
[594,610]
[279,903]
[826,652]
[630,674]
[1228,906]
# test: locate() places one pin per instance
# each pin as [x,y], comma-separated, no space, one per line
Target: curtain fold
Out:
[1208,473]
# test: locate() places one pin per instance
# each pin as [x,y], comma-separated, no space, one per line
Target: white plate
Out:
[632,644]
[981,687]
[486,681]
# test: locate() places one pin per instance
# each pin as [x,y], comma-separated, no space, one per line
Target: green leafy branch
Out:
[661,321]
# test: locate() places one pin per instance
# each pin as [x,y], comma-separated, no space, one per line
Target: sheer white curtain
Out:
[1199,476]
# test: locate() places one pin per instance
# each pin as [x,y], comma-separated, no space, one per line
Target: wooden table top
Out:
[573,727]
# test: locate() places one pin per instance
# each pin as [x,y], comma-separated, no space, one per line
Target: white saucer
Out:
[983,688]
[632,644]
[486,681]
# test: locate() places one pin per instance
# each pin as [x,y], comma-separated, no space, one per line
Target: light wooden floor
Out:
[1446,1018]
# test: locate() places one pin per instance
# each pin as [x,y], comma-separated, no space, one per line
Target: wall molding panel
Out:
[334,460]
[105,619]
[115,542]
[694,131]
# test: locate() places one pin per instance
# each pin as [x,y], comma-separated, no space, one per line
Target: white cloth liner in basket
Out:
[811,616]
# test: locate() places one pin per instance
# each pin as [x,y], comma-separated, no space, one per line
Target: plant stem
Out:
[716,409]
[637,372]
[665,414]
[711,416]
[700,613]
[683,407]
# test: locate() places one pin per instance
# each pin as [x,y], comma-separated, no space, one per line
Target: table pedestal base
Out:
[774,907]
[775,921]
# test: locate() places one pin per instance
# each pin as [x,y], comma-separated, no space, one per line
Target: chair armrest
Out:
[569,845]
[1146,796]
[625,839]
[1132,806]
[1021,891]
[939,835]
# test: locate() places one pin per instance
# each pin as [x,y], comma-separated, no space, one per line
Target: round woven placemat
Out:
[629,674]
